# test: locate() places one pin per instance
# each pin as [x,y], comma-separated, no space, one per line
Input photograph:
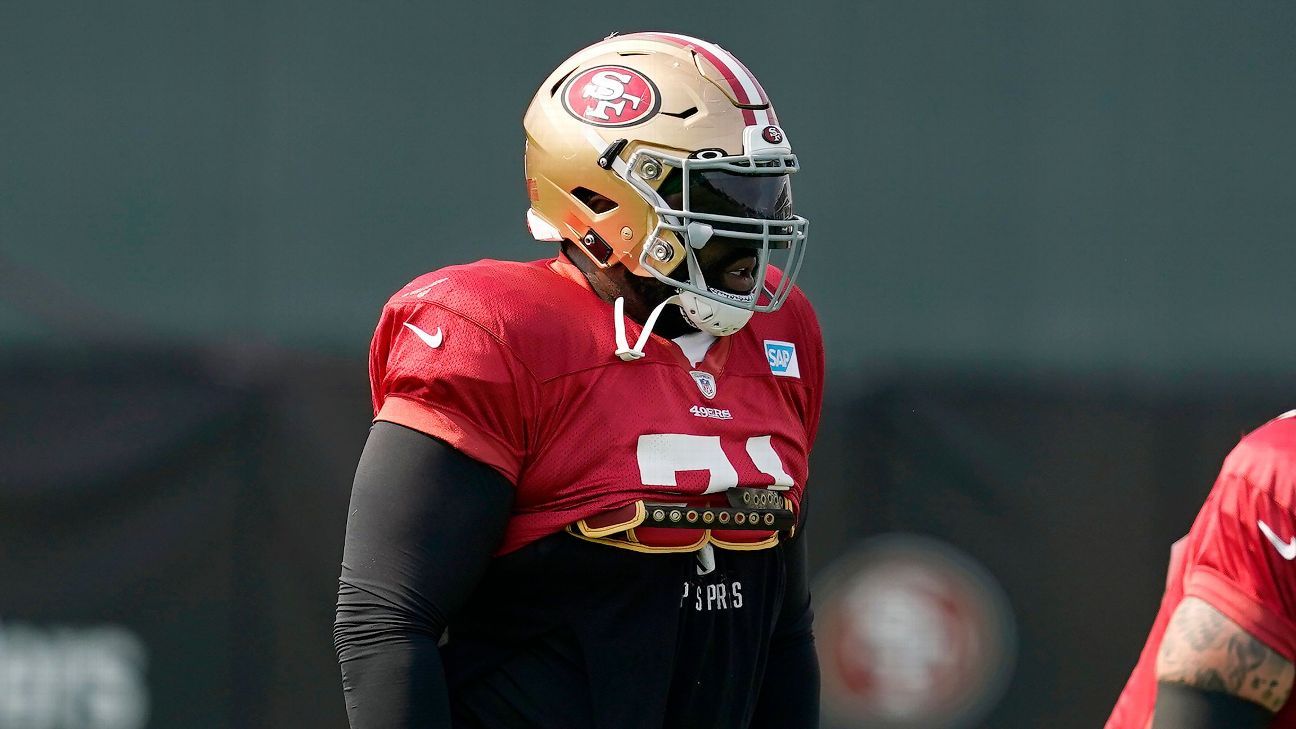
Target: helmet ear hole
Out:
[597,203]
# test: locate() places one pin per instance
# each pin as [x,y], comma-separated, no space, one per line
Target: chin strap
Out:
[624,350]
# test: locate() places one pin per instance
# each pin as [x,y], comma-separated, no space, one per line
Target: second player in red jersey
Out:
[1221,651]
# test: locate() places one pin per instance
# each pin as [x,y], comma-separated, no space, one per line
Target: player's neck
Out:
[641,294]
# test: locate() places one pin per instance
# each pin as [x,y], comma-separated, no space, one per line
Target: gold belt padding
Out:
[621,534]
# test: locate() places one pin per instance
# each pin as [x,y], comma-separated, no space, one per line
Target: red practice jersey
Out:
[513,365]
[1239,556]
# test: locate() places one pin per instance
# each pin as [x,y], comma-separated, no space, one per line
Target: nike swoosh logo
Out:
[1286,549]
[431,340]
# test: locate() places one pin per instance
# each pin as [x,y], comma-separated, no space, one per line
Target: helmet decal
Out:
[611,96]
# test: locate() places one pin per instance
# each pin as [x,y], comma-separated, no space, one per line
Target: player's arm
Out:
[789,697]
[423,523]
[1213,674]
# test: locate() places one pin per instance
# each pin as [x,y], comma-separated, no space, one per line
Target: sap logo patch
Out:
[782,358]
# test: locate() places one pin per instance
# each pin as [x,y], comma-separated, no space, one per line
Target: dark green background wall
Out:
[1095,185]
[1051,237]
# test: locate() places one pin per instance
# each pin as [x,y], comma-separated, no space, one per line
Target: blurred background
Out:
[1052,254]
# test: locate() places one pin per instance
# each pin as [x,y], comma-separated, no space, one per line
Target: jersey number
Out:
[663,455]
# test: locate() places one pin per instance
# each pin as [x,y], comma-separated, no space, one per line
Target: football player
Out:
[1221,651]
[586,475]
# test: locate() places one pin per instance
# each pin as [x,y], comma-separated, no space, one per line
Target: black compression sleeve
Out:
[1187,707]
[789,696]
[423,523]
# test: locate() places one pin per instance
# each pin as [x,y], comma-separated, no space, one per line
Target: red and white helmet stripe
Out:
[746,89]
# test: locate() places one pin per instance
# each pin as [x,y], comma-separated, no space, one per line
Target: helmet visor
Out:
[734,194]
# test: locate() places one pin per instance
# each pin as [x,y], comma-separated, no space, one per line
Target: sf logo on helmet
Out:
[608,91]
[611,96]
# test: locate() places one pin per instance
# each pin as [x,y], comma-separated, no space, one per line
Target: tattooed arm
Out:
[1212,673]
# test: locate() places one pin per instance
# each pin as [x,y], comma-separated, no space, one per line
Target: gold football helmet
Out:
[643,148]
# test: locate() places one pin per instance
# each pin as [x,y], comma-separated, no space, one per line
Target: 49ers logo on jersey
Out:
[611,96]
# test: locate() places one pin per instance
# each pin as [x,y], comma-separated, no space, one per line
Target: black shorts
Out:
[566,633]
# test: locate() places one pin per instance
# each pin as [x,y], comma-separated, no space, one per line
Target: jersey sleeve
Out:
[1241,564]
[434,370]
